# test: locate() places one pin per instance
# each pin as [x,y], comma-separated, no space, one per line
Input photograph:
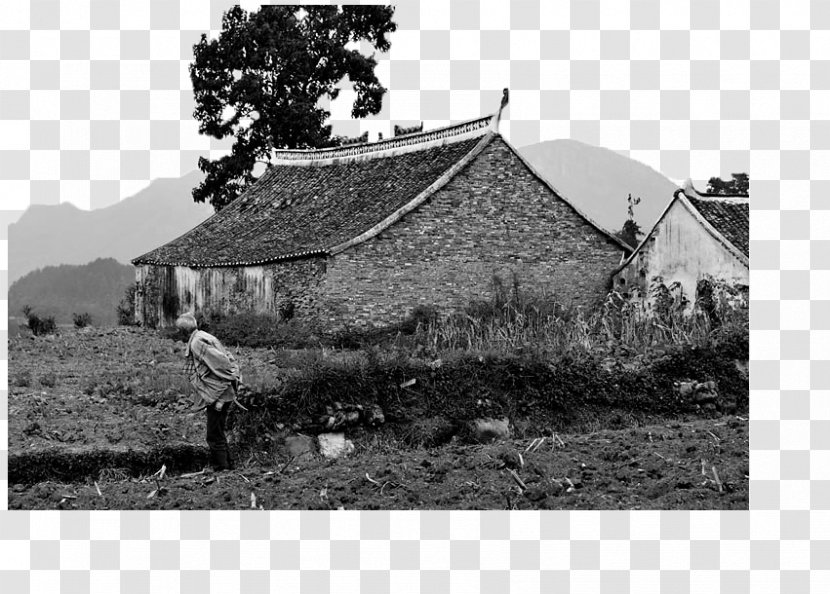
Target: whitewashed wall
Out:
[682,250]
[248,288]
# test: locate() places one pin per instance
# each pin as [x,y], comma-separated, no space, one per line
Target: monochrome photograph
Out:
[336,308]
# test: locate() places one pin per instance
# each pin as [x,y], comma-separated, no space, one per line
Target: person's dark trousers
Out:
[216,440]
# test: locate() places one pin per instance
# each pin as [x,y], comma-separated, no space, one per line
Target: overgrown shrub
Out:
[514,322]
[39,325]
[125,310]
[81,320]
[668,302]
[705,300]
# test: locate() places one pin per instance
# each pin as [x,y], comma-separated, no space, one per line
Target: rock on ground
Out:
[487,430]
[334,445]
[700,392]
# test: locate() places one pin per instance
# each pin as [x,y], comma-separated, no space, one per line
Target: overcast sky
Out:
[444,66]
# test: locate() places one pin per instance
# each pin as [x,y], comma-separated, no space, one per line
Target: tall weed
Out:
[513,322]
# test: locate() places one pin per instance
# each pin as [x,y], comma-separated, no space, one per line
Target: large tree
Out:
[262,79]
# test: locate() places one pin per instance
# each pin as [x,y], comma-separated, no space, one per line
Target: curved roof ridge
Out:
[388,146]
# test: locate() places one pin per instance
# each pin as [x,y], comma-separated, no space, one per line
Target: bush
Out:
[125,310]
[81,320]
[39,325]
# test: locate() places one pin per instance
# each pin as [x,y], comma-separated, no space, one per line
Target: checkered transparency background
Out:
[95,102]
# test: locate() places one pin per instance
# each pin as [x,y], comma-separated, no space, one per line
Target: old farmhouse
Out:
[362,234]
[698,236]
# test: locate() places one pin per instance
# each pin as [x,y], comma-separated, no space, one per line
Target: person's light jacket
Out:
[215,375]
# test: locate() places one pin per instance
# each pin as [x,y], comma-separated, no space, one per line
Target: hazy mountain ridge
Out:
[64,234]
[94,288]
[598,180]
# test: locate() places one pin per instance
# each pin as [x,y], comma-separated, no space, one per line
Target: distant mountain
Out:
[94,288]
[64,234]
[598,180]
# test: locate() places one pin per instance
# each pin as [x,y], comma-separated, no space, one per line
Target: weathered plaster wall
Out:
[167,291]
[495,218]
[681,250]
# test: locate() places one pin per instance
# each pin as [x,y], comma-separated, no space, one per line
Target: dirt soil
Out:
[695,465]
[117,389]
[110,387]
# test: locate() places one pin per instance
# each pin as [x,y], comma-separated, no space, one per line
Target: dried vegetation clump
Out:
[81,320]
[37,324]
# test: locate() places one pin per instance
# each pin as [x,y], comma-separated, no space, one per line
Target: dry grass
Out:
[514,323]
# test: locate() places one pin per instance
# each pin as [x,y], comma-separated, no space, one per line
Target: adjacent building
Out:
[698,236]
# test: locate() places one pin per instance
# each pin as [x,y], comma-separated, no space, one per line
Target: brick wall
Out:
[494,218]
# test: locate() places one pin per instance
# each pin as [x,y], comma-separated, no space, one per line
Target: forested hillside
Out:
[94,288]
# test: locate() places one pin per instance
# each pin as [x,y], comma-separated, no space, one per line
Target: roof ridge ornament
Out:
[388,146]
[494,122]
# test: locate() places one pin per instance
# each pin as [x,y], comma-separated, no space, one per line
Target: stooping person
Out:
[215,377]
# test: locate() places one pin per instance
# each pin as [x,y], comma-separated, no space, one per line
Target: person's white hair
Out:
[186,321]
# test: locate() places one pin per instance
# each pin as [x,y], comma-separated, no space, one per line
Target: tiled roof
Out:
[309,202]
[326,200]
[730,216]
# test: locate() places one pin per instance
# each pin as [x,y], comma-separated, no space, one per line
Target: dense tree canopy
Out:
[738,185]
[262,80]
[630,233]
